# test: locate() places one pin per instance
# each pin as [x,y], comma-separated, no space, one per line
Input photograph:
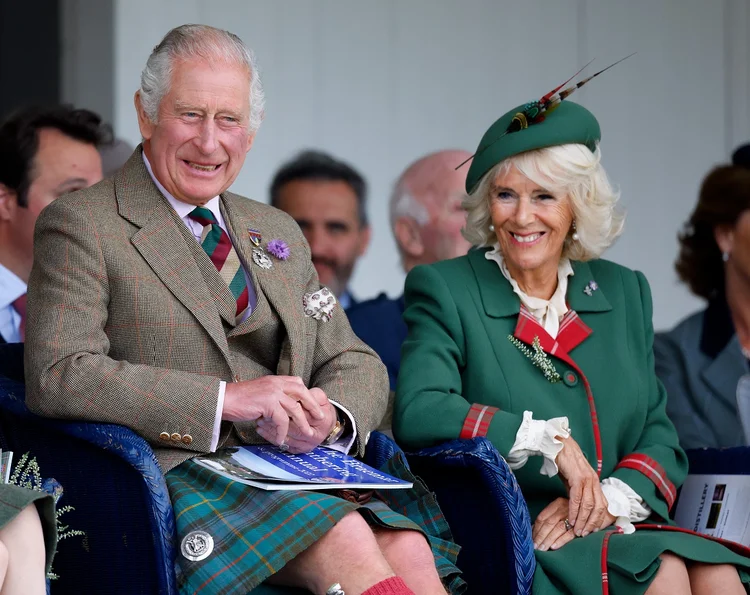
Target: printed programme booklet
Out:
[268,468]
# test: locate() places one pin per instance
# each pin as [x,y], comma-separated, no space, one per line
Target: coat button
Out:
[570,378]
[164,436]
[187,439]
[176,437]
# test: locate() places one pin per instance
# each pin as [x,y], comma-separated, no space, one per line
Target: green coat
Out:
[460,314]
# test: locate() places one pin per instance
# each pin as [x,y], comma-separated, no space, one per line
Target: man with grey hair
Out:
[162,301]
[426,220]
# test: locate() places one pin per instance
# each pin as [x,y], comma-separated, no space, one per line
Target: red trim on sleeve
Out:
[654,471]
[477,422]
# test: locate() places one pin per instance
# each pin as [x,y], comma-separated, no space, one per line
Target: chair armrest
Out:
[486,512]
[118,441]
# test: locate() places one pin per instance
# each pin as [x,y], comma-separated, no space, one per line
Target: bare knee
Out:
[351,537]
[672,576]
[715,578]
[408,546]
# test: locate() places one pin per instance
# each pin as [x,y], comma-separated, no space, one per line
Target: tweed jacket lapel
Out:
[273,287]
[163,245]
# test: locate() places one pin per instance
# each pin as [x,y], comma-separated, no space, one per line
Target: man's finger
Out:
[299,392]
[296,413]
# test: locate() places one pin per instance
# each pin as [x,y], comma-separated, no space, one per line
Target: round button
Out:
[570,378]
[176,437]
[164,436]
[187,439]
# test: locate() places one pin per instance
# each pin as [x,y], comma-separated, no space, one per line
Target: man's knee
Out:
[351,536]
[409,547]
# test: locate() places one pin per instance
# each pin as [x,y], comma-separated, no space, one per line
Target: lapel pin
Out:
[255,236]
[591,288]
[261,258]
[279,249]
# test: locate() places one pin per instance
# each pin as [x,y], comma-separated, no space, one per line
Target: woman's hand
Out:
[550,532]
[587,504]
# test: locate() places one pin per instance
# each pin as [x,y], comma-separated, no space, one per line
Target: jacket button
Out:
[570,378]
[164,436]
[187,439]
[176,437]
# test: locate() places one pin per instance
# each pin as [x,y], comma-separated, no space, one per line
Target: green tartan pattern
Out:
[257,532]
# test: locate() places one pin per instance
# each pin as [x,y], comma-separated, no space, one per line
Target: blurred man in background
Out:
[327,199]
[426,220]
[44,153]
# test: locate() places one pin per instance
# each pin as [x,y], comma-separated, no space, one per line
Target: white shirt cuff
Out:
[538,437]
[624,503]
[346,441]
[217,419]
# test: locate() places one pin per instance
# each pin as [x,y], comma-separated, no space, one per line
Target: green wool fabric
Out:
[570,123]
[460,313]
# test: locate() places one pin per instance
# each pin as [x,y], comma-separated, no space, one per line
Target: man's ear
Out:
[408,237]
[8,203]
[145,124]
[365,234]
[724,236]
[250,139]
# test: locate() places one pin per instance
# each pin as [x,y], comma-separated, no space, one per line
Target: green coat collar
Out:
[499,300]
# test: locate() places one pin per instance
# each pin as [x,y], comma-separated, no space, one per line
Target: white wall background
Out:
[381,83]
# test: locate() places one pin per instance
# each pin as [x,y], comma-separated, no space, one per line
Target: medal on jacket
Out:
[261,258]
[255,236]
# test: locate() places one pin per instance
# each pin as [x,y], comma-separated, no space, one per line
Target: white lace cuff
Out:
[624,503]
[538,437]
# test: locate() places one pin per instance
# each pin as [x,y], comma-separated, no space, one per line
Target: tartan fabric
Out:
[257,532]
[654,471]
[477,421]
[19,305]
[215,241]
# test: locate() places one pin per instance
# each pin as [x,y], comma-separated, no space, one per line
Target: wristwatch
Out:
[338,428]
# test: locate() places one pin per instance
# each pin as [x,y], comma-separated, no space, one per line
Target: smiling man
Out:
[327,199]
[162,301]
[44,153]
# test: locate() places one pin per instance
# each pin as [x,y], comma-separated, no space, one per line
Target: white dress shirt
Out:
[11,288]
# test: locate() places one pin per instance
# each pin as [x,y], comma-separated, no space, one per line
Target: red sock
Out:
[390,586]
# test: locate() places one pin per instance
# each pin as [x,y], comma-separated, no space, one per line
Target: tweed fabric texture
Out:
[124,325]
[256,532]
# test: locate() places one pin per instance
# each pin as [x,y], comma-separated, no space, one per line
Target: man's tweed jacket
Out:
[130,323]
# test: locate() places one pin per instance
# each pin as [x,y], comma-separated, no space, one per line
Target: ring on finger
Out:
[283,447]
[567,524]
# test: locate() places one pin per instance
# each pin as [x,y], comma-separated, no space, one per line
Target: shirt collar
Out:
[11,287]
[182,209]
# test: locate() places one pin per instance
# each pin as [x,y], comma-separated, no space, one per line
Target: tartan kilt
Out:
[256,532]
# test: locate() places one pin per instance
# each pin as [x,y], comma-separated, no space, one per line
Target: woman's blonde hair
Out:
[570,169]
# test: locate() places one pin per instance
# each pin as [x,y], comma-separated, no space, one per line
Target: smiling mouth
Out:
[200,167]
[527,239]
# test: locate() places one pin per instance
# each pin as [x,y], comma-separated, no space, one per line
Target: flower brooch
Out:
[538,357]
[277,248]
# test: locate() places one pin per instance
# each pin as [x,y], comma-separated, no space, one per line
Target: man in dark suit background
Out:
[44,153]
[426,220]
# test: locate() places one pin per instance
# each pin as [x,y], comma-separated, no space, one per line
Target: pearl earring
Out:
[725,256]
[492,227]
[575,233]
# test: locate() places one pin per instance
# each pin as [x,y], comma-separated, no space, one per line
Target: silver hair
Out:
[403,204]
[203,42]
[572,169]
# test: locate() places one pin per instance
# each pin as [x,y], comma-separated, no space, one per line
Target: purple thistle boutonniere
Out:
[279,249]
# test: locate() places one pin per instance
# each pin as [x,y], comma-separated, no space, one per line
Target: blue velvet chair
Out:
[111,477]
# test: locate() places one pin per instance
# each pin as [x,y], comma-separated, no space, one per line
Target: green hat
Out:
[567,124]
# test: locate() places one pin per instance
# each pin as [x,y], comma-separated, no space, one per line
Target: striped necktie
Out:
[216,243]
[19,306]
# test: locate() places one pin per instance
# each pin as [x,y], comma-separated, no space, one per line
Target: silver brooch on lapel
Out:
[261,258]
[591,288]
[319,304]
[197,546]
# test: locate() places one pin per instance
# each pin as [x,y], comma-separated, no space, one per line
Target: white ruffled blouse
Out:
[536,437]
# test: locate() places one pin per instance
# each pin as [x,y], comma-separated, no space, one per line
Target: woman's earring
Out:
[492,227]
[725,256]
[575,233]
